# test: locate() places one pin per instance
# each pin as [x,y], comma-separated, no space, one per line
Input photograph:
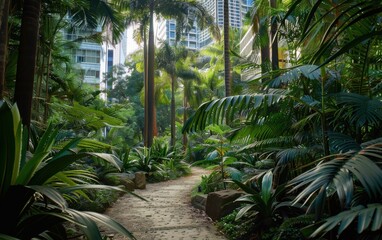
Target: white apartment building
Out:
[95,60]
[196,38]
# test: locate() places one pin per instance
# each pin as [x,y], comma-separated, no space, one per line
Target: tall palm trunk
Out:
[324,125]
[227,62]
[185,106]
[146,122]
[3,43]
[150,80]
[275,43]
[26,62]
[172,142]
[264,50]
[2,8]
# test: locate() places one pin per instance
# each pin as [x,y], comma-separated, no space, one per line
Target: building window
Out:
[88,56]
[110,55]
[92,73]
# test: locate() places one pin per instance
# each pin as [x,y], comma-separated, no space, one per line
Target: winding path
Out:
[167,215]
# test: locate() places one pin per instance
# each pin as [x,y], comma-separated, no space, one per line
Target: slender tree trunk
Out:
[185,104]
[146,122]
[274,39]
[2,4]
[26,63]
[227,62]
[172,142]
[39,78]
[150,79]
[3,43]
[47,95]
[264,50]
[324,126]
[155,126]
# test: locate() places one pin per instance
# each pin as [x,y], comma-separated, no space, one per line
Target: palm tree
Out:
[167,58]
[178,10]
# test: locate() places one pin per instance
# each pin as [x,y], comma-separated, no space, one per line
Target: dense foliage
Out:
[302,138]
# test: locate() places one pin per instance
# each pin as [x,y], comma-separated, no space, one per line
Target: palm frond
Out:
[269,143]
[214,112]
[366,217]
[289,155]
[361,110]
[338,173]
[342,143]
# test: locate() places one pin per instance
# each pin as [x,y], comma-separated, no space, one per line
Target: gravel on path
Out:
[167,215]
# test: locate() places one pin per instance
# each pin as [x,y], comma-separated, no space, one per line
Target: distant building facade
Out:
[197,38]
[93,59]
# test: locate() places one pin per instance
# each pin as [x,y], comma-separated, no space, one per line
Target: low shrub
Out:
[98,201]
[240,229]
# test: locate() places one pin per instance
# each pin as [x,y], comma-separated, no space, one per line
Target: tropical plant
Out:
[235,229]
[344,24]
[263,205]
[171,169]
[211,182]
[33,184]
[218,155]
[168,59]
[143,158]
[348,181]
[144,12]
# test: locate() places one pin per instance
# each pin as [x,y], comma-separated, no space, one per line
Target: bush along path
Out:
[167,215]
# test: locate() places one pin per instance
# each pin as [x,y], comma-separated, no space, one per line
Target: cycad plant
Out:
[263,205]
[33,184]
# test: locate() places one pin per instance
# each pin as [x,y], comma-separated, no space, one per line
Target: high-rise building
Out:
[96,59]
[87,57]
[196,38]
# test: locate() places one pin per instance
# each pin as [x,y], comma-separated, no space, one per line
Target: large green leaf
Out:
[10,145]
[58,164]
[266,186]
[214,112]
[345,22]
[361,110]
[367,217]
[338,173]
[91,218]
[30,168]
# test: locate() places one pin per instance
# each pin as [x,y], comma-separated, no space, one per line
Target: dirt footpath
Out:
[167,215]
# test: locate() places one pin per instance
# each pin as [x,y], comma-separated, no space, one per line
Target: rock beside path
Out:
[167,215]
